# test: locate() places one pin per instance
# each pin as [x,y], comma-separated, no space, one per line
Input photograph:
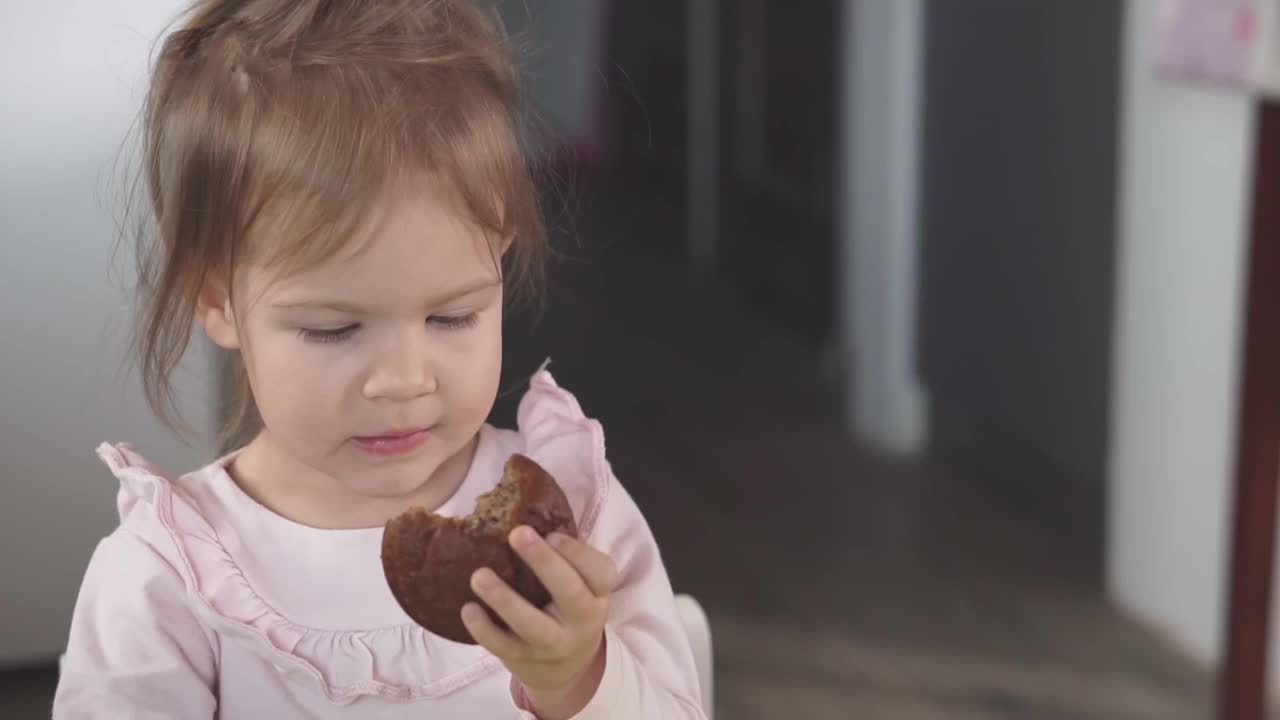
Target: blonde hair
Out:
[308,112]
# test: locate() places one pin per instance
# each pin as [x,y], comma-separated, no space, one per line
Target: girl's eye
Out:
[328,335]
[454,322]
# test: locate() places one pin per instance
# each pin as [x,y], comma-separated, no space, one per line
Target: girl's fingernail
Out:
[524,537]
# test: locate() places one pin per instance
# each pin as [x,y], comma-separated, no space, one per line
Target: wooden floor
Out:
[839,584]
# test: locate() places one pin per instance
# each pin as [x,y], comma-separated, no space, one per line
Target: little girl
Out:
[340,198]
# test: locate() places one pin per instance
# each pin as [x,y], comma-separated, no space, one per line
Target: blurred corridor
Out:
[840,583]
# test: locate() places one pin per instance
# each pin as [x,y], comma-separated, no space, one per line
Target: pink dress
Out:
[205,604]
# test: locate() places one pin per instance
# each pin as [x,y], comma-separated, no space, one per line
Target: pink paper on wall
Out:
[1207,40]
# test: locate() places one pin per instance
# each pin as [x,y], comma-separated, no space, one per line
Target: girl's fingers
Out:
[569,590]
[528,623]
[596,568]
[501,643]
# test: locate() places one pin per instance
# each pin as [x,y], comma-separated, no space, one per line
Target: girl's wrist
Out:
[564,703]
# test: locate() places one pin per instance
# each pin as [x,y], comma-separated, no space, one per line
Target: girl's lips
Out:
[395,443]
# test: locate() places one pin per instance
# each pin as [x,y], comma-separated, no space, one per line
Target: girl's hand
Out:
[557,656]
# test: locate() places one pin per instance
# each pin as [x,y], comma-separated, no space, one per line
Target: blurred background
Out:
[915,329]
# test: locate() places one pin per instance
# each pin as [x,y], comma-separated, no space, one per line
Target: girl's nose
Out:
[403,370]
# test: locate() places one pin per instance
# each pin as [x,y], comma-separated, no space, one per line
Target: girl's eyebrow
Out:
[318,304]
[342,306]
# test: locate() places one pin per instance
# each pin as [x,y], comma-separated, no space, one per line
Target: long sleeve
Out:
[649,666]
[135,649]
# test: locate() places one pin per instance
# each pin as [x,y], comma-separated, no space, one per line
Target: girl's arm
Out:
[135,649]
[649,669]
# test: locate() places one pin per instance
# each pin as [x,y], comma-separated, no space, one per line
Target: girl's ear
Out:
[214,313]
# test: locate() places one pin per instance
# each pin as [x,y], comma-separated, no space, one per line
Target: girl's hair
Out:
[302,115]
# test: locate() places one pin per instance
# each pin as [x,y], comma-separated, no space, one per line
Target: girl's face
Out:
[378,367]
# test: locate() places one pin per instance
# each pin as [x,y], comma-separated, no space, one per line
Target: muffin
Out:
[428,559]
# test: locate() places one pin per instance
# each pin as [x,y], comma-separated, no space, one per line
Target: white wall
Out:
[1185,155]
[882,79]
[70,76]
